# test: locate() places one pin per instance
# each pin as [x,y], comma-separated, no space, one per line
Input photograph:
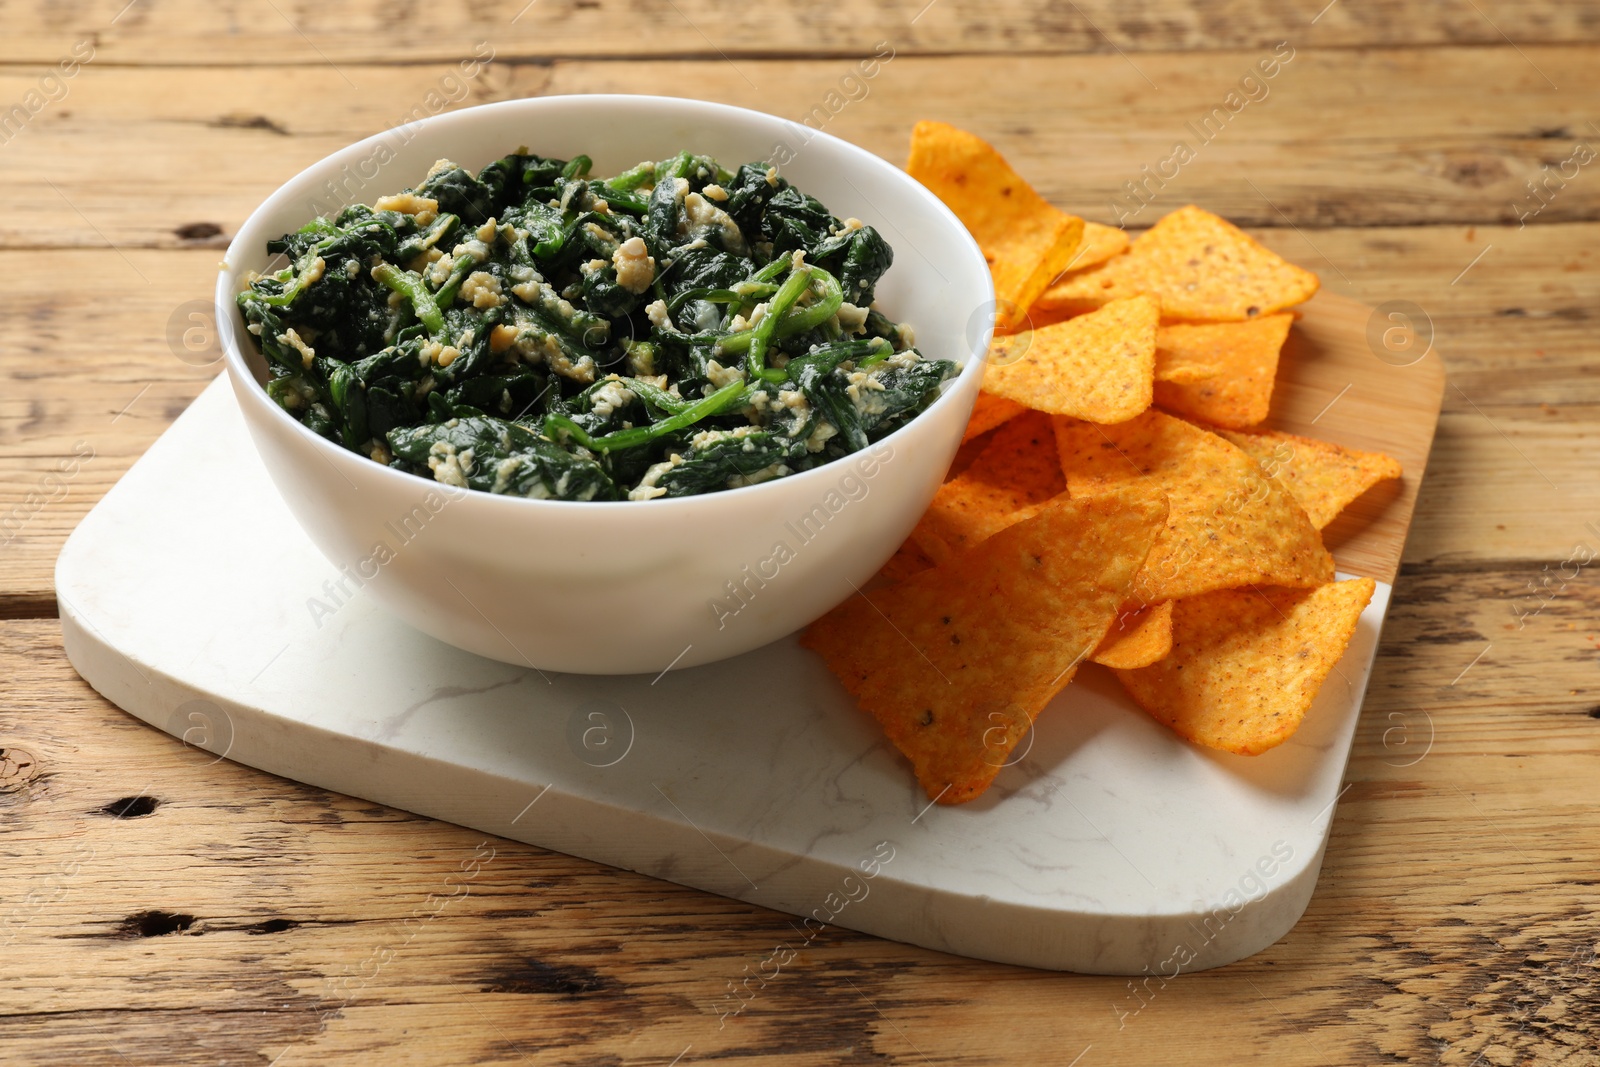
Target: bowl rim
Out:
[227,314]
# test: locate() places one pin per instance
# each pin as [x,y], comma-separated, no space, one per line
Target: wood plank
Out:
[186,32]
[1454,912]
[89,383]
[1512,483]
[1516,312]
[1306,155]
[1522,397]
[1385,136]
[1533,691]
[1454,921]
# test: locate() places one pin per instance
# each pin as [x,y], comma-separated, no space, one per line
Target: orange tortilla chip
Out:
[970,449]
[1201,267]
[1099,244]
[1220,372]
[1139,638]
[1097,367]
[1323,477]
[1016,471]
[956,662]
[1246,664]
[907,560]
[1230,524]
[989,411]
[1026,240]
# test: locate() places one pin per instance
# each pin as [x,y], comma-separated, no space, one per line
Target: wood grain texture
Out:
[237,916]
[88,384]
[1335,384]
[1303,156]
[192,32]
[1519,334]
[230,916]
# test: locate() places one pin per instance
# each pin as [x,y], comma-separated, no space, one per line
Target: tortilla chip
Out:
[1099,244]
[957,661]
[907,560]
[989,411]
[1201,267]
[1016,471]
[1139,638]
[1323,477]
[1097,366]
[1230,524]
[1246,664]
[1220,372]
[1026,240]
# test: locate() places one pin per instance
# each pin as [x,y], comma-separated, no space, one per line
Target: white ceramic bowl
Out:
[625,586]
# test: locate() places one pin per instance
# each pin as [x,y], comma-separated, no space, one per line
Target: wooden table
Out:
[158,907]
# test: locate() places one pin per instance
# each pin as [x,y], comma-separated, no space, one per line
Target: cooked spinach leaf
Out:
[539,331]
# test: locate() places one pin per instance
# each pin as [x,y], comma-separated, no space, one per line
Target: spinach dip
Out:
[534,331]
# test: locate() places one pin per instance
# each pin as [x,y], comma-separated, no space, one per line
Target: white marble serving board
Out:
[190,598]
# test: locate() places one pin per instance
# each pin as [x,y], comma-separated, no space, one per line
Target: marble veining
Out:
[1109,844]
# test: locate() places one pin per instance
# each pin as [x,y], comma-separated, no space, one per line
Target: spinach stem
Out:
[797,320]
[303,264]
[411,286]
[714,404]
[633,178]
[788,293]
